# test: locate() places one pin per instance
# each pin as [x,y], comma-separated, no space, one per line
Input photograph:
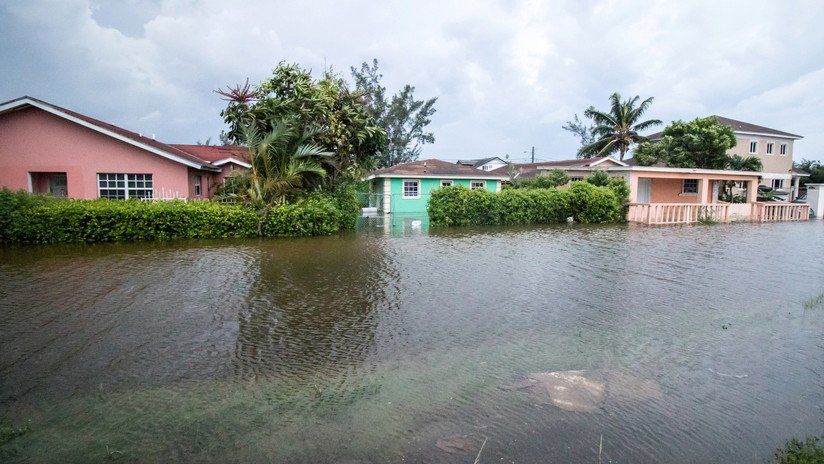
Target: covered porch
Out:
[681,196]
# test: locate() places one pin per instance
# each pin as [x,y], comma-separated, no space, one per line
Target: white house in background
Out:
[484,164]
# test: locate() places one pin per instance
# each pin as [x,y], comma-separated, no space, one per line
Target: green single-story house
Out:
[405,188]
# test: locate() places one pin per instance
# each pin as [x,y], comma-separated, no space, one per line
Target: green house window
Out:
[411,188]
[446,183]
[477,184]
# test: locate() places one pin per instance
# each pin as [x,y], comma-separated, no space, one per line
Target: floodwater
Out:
[417,345]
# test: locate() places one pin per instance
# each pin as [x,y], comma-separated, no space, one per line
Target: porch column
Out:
[387,195]
[633,188]
[703,190]
[796,188]
[752,191]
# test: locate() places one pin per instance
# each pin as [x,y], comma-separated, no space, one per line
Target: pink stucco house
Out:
[48,149]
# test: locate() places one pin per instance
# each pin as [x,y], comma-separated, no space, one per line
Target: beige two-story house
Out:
[773,147]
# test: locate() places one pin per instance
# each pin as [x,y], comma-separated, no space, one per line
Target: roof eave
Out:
[29,101]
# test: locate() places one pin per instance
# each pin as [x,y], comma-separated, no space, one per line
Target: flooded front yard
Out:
[551,344]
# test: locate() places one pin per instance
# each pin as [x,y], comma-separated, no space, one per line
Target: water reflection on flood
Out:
[376,346]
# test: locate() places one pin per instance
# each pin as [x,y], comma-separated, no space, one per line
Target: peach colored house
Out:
[663,195]
[52,150]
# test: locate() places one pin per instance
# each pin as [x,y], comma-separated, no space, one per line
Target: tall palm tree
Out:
[283,163]
[617,130]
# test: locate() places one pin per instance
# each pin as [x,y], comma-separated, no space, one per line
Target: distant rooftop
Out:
[741,126]
[435,167]
[477,162]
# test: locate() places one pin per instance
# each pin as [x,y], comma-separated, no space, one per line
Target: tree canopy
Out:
[402,117]
[618,129]
[338,119]
[700,143]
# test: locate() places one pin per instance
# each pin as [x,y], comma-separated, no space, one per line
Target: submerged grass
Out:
[283,420]
[807,451]
[814,301]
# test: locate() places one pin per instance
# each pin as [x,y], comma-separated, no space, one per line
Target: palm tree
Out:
[617,130]
[283,163]
[739,163]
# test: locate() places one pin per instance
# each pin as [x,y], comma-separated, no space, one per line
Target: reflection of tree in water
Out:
[315,306]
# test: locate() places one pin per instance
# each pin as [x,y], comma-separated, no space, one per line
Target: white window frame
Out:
[779,182]
[125,180]
[447,182]
[403,189]
[782,149]
[473,182]
[684,190]
[770,148]
[576,178]
[753,147]
[198,185]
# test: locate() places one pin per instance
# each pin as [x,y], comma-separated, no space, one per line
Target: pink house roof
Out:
[217,155]
[149,144]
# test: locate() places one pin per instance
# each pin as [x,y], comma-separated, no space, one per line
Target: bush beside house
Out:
[584,202]
[26,218]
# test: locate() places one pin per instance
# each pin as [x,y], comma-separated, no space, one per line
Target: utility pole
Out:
[533,154]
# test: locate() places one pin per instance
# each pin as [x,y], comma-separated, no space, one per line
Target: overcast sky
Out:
[506,74]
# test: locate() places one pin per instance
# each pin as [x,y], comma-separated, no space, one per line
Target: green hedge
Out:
[584,202]
[25,218]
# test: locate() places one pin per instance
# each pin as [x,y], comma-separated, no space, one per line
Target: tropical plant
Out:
[618,129]
[293,96]
[283,164]
[700,143]
[739,163]
[402,117]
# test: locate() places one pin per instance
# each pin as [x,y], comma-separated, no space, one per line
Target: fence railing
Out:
[686,213]
[774,212]
[676,213]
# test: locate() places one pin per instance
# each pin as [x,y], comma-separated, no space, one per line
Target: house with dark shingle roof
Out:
[772,146]
[406,187]
[45,148]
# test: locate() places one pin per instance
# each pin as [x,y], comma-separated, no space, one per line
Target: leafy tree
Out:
[402,117]
[337,118]
[583,131]
[700,143]
[599,178]
[814,168]
[550,179]
[617,130]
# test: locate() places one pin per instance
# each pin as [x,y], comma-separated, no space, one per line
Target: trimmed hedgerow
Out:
[26,218]
[584,202]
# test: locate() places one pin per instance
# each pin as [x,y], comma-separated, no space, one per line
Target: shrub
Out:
[26,218]
[552,178]
[591,204]
[460,206]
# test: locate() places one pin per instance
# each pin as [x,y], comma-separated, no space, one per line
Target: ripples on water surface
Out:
[369,348]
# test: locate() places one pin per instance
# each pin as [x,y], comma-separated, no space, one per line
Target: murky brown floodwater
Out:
[372,348]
